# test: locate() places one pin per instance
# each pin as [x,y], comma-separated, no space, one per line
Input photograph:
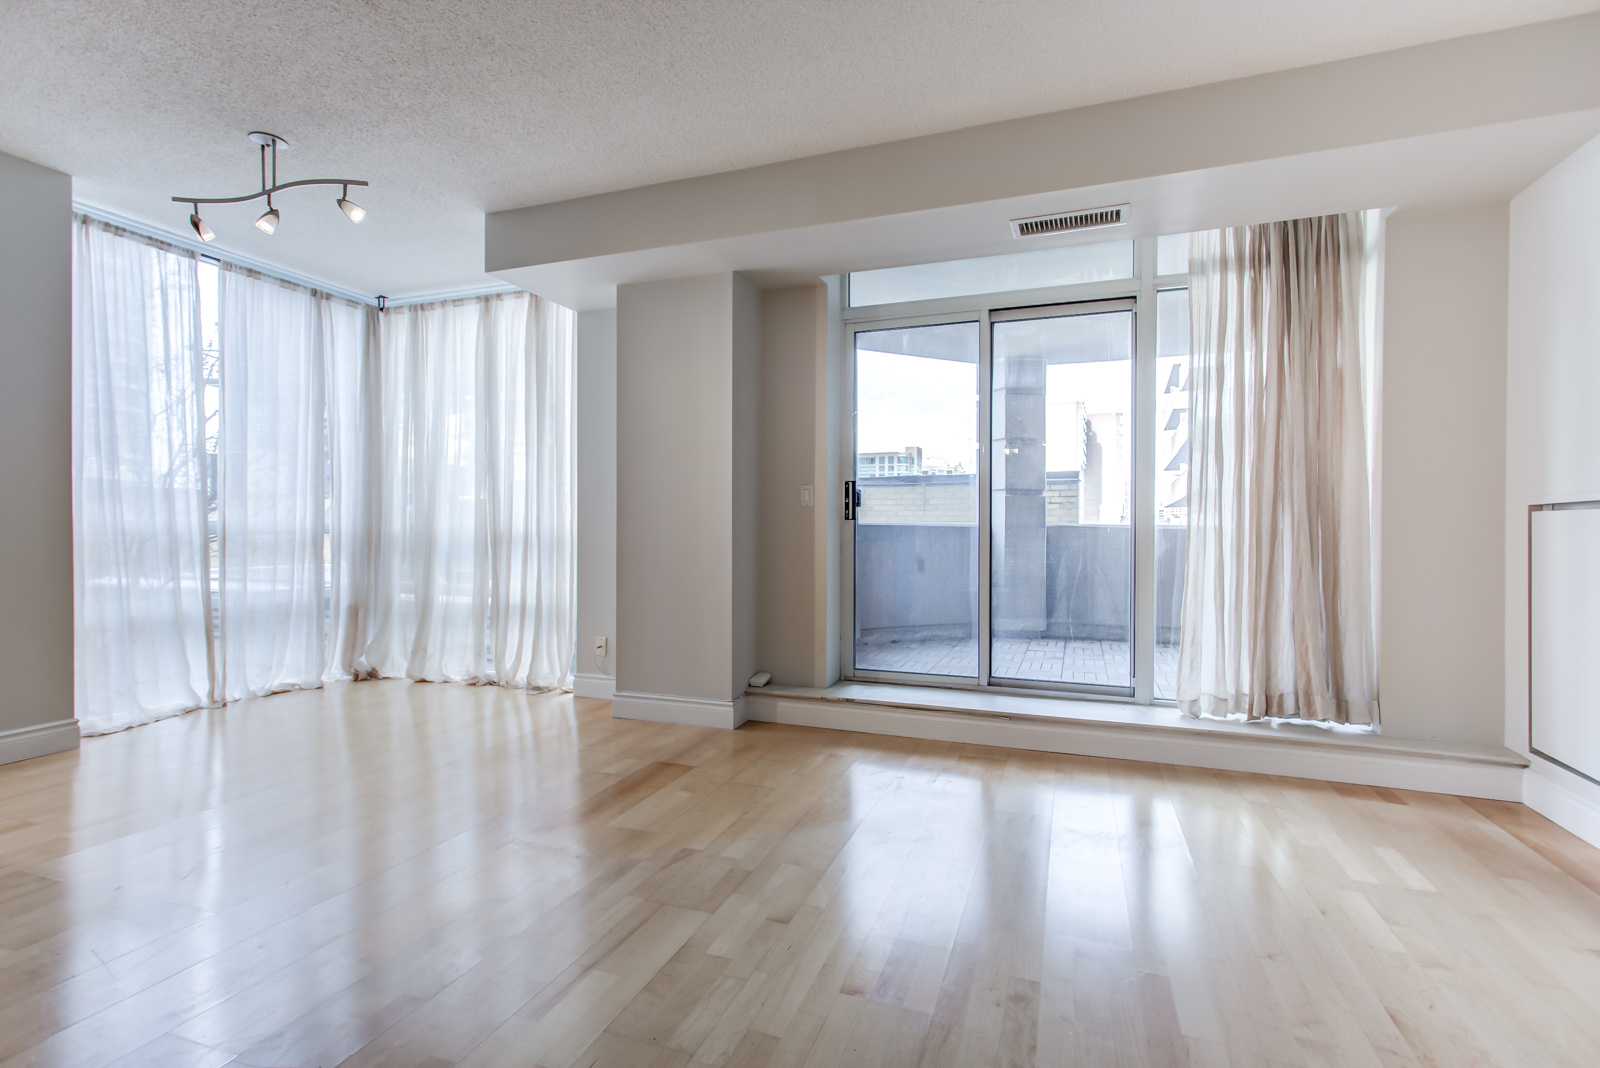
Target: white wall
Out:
[1485,80]
[1552,390]
[1443,475]
[36,714]
[597,499]
[687,454]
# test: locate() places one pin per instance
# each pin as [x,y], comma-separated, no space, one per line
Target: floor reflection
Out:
[385,874]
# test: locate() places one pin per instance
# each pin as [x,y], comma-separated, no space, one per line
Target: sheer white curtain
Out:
[271,460]
[529,487]
[355,425]
[1278,618]
[474,575]
[393,494]
[293,483]
[142,607]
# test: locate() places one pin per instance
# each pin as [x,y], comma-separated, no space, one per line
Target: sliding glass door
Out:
[916,500]
[1061,527]
[1019,471]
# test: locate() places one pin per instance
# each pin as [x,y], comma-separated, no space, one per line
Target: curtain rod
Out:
[449,294]
[208,253]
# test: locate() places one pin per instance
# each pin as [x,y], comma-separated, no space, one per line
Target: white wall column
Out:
[36,713]
[1552,435]
[1443,471]
[687,469]
[597,501]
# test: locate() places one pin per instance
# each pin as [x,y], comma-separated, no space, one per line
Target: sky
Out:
[913,400]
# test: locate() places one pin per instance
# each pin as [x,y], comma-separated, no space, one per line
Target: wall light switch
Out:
[600,646]
[807,497]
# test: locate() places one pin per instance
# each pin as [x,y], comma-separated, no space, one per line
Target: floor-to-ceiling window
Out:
[1020,430]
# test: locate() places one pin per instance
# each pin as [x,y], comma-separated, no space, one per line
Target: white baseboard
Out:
[1267,755]
[690,711]
[1563,798]
[24,743]
[586,684]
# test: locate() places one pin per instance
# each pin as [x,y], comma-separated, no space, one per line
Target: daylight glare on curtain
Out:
[142,609]
[474,579]
[1277,611]
[278,343]
[392,495]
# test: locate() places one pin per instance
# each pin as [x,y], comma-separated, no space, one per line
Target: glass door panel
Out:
[1061,534]
[916,529]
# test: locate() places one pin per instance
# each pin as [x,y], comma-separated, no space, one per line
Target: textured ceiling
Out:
[454,109]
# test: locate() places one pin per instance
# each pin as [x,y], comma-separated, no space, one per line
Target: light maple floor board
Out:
[384,875]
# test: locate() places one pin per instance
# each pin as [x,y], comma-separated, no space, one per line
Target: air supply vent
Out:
[1093,219]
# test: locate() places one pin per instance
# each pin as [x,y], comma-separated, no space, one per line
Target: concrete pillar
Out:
[1018,487]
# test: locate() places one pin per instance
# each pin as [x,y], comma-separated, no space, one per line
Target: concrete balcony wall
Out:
[1088,584]
[918,582]
[1172,547]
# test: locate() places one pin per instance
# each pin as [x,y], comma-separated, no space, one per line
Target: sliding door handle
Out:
[852,499]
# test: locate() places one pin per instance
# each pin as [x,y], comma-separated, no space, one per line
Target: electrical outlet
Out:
[807,499]
[601,644]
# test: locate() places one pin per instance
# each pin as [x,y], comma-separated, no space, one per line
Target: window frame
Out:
[985,309]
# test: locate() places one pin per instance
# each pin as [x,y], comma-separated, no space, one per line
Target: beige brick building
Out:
[919,499]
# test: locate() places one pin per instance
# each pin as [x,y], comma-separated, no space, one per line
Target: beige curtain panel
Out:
[1278,605]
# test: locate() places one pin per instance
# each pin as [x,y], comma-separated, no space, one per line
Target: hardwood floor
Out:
[422,876]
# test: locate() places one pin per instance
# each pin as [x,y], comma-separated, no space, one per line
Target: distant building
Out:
[909,461]
[1172,441]
[889,464]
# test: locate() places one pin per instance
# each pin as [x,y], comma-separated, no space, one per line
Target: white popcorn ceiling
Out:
[454,109]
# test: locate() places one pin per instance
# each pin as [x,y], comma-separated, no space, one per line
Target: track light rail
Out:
[267,192]
[269,143]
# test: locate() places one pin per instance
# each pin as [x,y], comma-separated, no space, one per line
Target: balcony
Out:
[916,604]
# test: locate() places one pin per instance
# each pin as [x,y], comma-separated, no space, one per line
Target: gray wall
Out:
[36,444]
[597,497]
[1441,592]
[792,329]
[745,447]
[686,408]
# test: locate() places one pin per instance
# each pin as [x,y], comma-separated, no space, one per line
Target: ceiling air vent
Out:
[1093,219]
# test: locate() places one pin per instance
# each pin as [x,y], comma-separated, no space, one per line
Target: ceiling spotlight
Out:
[269,145]
[269,219]
[350,207]
[199,225]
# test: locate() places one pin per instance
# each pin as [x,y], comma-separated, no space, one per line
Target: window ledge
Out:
[1144,719]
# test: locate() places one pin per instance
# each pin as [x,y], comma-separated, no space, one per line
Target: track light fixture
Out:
[199,225]
[269,220]
[350,207]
